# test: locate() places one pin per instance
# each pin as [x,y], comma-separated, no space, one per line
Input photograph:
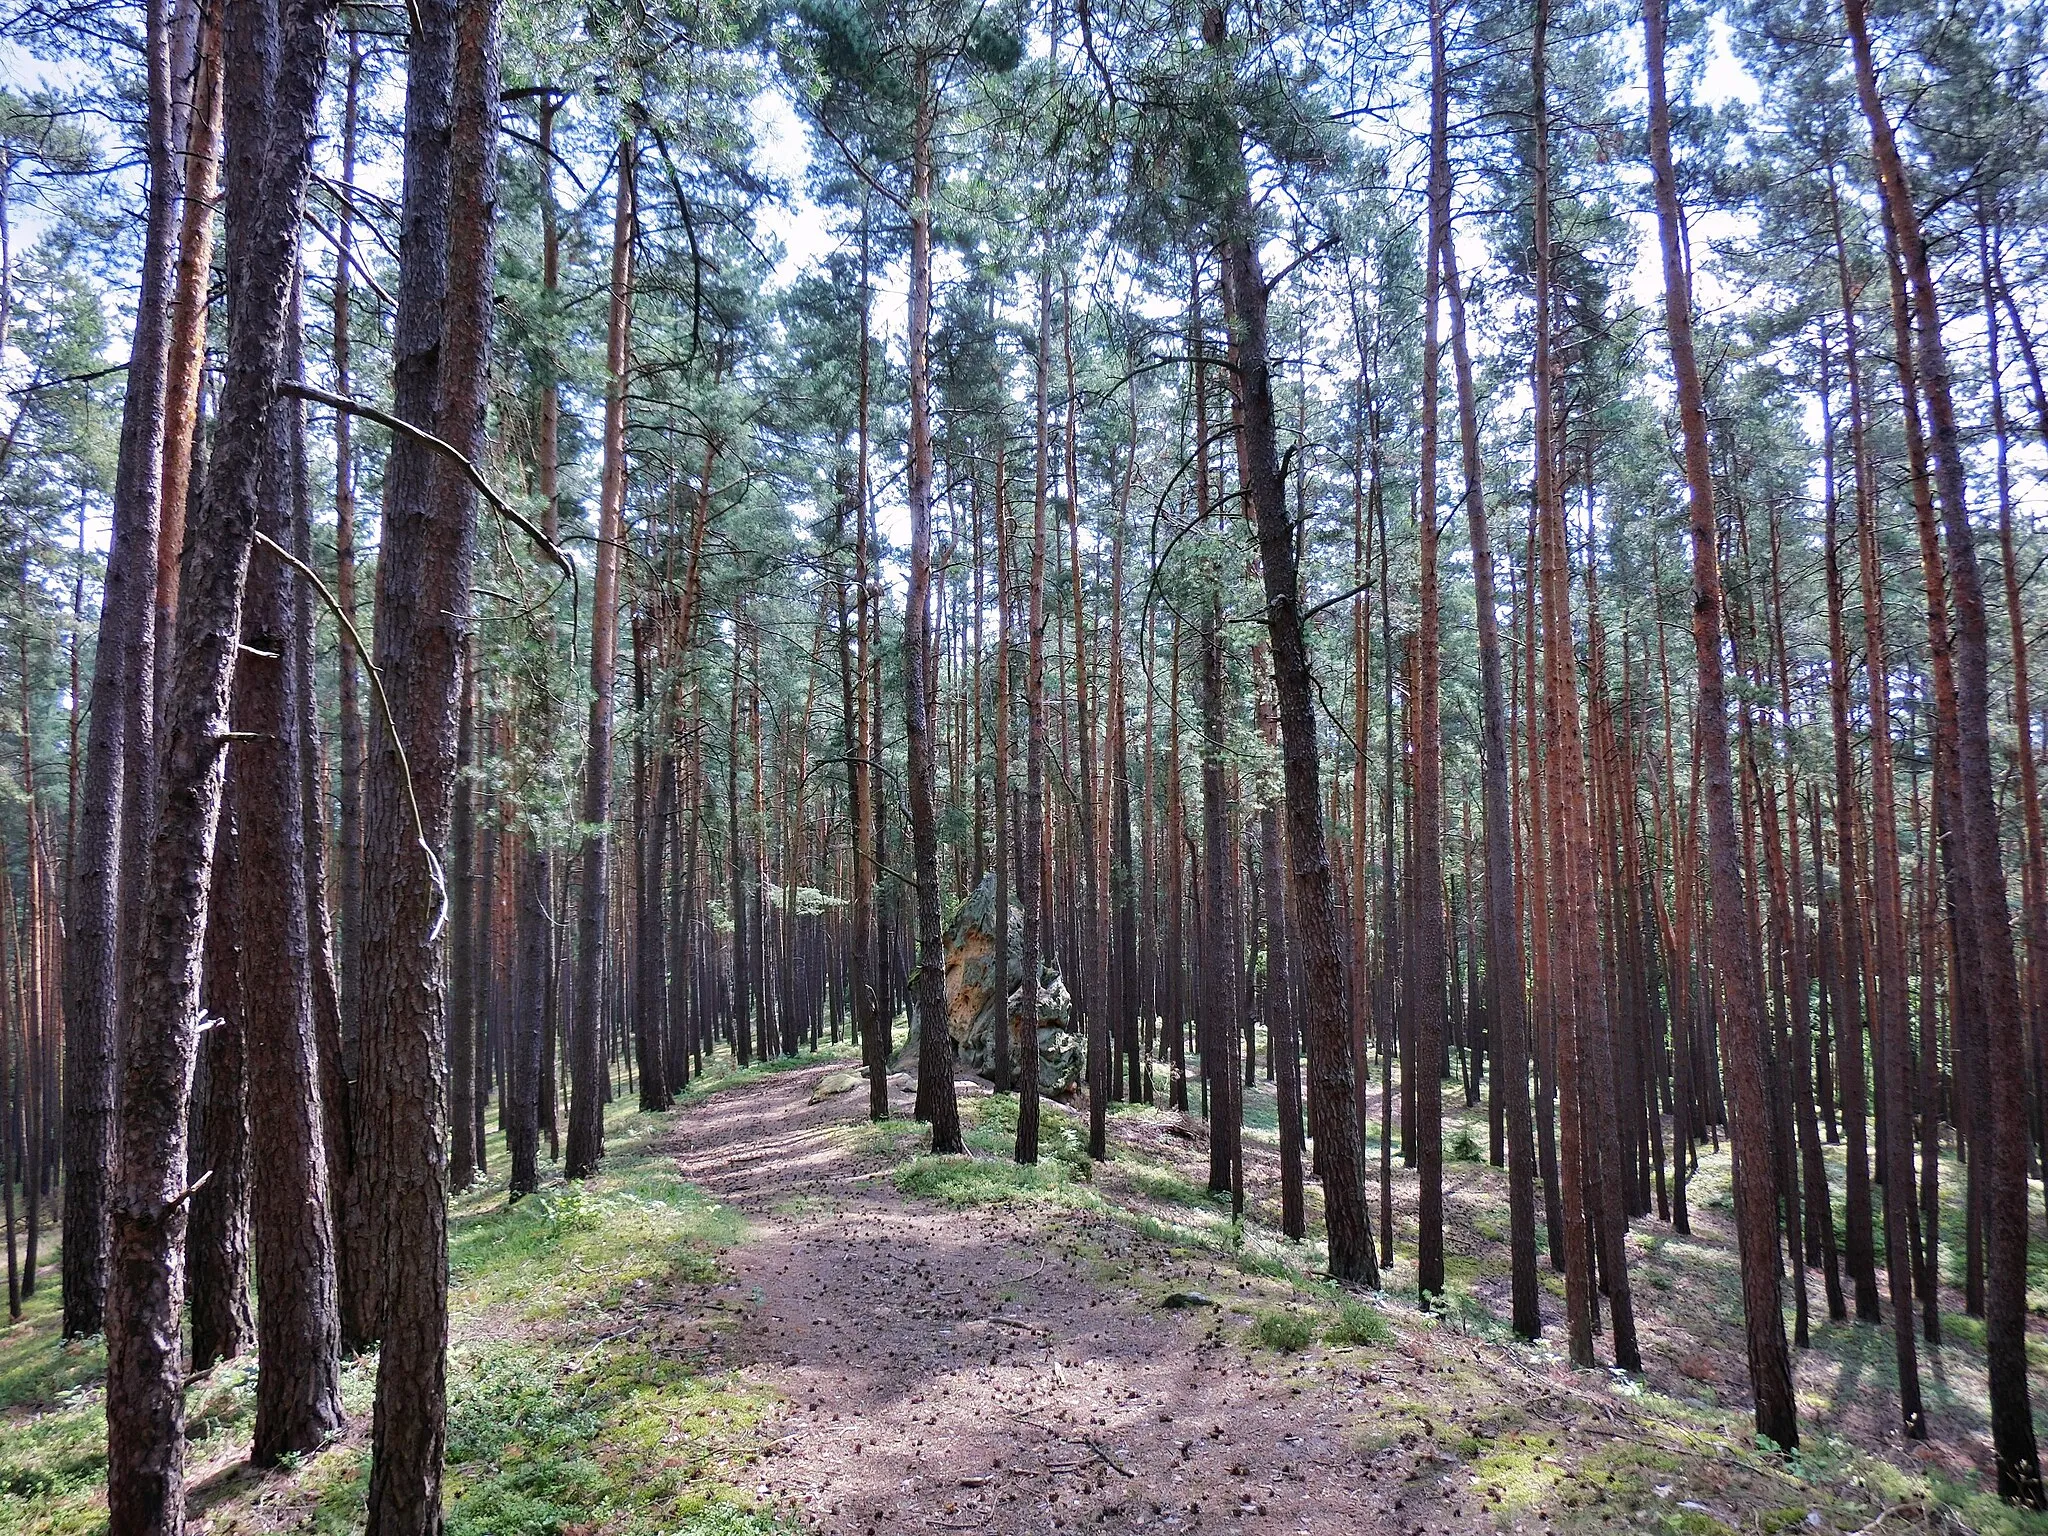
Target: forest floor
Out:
[766,1315]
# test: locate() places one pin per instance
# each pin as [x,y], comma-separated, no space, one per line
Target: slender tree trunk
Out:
[1031,835]
[935,1048]
[349,828]
[1427,949]
[466,974]
[217,1243]
[535,929]
[1281,1039]
[1849,970]
[1006,1021]
[1219,938]
[1093,992]
[1892,1046]
[586,1052]
[1556,913]
[1506,995]
[1733,959]
[1318,931]
[186,342]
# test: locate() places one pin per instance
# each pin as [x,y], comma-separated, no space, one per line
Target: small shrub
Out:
[1070,1150]
[1285,1333]
[1463,1149]
[1361,1323]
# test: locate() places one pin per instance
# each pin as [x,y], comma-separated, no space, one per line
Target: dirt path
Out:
[972,1370]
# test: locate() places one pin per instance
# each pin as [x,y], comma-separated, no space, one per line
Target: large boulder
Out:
[973,1002]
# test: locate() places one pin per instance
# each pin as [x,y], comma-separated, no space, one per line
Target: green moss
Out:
[971,1180]
[1162,1184]
[545,1431]
[636,1223]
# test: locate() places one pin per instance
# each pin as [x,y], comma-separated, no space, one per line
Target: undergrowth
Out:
[557,1420]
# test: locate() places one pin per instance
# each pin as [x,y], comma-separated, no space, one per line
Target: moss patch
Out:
[557,1417]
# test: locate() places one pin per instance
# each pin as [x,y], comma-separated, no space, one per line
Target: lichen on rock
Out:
[972,1003]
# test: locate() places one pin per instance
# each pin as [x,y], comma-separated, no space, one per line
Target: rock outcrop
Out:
[973,1002]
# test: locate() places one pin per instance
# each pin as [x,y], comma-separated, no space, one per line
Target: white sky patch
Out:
[782,149]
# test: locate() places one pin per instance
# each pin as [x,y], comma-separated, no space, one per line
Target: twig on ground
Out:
[1886,1514]
[1113,1463]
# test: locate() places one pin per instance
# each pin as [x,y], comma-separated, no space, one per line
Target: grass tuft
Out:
[1360,1323]
[1286,1333]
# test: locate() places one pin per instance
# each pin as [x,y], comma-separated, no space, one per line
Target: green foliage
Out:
[1359,1323]
[974,1180]
[636,1226]
[1285,1332]
[520,1446]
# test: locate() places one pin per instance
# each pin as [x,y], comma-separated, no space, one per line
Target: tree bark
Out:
[348,704]
[1733,959]
[276,65]
[465,975]
[935,1052]
[423,583]
[186,343]
[586,1058]
[1426,950]
[1318,930]
[217,1243]
[298,1381]
[113,836]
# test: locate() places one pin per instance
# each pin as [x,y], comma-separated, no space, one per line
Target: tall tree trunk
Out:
[1318,931]
[298,1380]
[1506,995]
[935,1049]
[1555,921]
[1733,958]
[586,1049]
[118,791]
[871,1018]
[423,582]
[1847,972]
[1005,1027]
[1031,834]
[348,705]
[1427,944]
[276,65]
[1217,1026]
[1893,1048]
[1093,992]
